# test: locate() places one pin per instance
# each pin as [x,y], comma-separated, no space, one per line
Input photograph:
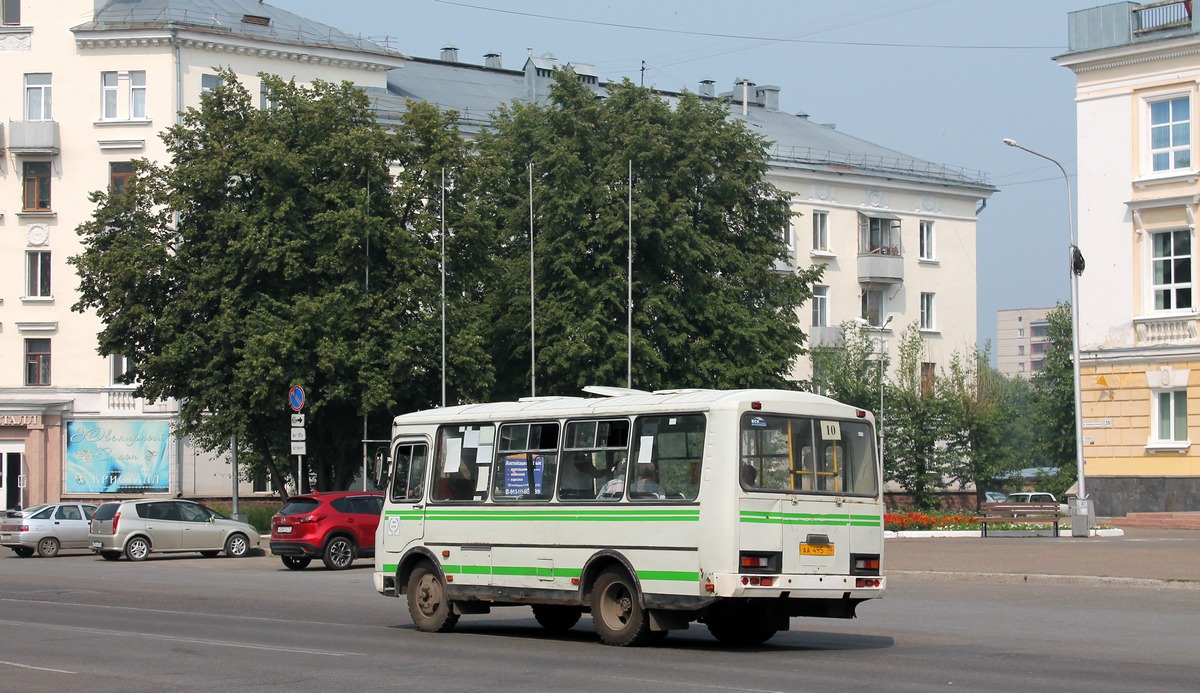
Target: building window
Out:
[209,82]
[108,96]
[37,274]
[927,311]
[878,235]
[1171,134]
[11,13]
[37,186]
[1172,415]
[789,239]
[37,361]
[120,366]
[927,240]
[119,175]
[1172,275]
[38,97]
[1021,332]
[820,306]
[1021,367]
[1020,349]
[820,221]
[928,377]
[137,94]
[872,307]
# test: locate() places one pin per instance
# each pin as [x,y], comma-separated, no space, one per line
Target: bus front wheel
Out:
[427,603]
[617,611]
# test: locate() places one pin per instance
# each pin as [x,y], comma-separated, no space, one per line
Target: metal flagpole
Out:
[629,297]
[443,287]
[532,299]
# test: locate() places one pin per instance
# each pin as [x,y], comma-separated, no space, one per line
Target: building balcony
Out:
[121,401]
[877,268]
[1170,330]
[1124,23]
[33,137]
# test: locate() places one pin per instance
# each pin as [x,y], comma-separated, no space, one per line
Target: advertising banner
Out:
[117,457]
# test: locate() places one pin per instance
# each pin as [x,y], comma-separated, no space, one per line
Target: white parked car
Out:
[1036,497]
[47,529]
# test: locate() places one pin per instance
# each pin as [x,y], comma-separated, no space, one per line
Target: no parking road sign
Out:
[296,398]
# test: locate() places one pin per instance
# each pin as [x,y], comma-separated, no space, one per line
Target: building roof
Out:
[477,91]
[244,18]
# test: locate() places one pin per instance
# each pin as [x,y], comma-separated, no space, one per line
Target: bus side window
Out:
[526,461]
[408,472]
[463,460]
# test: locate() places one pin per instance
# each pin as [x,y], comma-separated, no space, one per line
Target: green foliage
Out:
[849,370]
[241,268]
[1054,404]
[981,405]
[708,311]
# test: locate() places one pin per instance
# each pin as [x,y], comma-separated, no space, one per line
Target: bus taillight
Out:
[867,582]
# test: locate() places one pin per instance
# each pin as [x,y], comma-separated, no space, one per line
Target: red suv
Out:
[338,527]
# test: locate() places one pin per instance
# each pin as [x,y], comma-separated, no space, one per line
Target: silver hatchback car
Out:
[137,528]
[47,529]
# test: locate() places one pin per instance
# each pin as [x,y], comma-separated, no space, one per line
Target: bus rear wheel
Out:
[556,618]
[427,603]
[617,610]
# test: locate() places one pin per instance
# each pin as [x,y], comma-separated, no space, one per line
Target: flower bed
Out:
[916,521]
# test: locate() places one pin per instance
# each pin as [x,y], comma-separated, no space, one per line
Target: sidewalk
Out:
[1153,557]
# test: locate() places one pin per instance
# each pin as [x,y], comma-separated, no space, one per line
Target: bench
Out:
[1019,514]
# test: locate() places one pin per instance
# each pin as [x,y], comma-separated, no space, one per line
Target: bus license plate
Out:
[816,549]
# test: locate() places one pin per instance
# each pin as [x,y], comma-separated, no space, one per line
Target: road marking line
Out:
[30,666]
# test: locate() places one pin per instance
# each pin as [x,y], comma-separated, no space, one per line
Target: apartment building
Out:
[91,83]
[1021,341]
[88,86]
[1137,67]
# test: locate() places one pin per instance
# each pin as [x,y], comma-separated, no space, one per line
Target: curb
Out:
[912,534]
[1042,579]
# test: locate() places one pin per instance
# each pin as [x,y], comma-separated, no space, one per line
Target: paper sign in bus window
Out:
[645,450]
[453,455]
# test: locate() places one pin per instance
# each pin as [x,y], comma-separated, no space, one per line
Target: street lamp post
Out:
[1075,266]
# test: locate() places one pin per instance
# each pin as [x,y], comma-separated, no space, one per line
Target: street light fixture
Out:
[1075,264]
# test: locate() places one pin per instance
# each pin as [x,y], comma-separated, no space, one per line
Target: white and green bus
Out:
[739,509]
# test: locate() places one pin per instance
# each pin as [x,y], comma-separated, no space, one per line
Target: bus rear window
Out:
[789,453]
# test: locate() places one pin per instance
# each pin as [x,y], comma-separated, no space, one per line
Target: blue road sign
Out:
[296,398]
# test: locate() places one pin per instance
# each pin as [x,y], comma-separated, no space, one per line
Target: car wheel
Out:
[23,551]
[296,562]
[617,611]
[427,603]
[48,547]
[137,548]
[555,617]
[237,546]
[209,554]
[339,553]
[110,555]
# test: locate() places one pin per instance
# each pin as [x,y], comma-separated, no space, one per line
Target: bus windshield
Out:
[791,453]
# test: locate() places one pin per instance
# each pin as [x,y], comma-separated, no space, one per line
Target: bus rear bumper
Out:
[856,587]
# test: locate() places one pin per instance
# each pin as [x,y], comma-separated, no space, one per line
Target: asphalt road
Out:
[179,623]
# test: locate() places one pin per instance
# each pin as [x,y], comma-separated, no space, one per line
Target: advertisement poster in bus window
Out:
[516,475]
[117,457]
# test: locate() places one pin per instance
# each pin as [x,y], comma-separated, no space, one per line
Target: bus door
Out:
[403,521]
[790,469]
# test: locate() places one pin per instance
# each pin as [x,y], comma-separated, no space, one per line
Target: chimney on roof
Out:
[492,60]
[449,53]
[768,96]
[708,87]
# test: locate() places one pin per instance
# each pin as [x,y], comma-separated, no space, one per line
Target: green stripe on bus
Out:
[559,573]
[759,517]
[537,515]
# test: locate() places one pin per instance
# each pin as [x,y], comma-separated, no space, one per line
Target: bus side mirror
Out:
[381,464]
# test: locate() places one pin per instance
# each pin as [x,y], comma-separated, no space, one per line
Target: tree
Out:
[1054,403]
[708,309]
[917,455]
[241,268]
[849,370]
[981,405]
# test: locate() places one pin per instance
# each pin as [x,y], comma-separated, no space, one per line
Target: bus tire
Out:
[617,611]
[557,618]
[427,603]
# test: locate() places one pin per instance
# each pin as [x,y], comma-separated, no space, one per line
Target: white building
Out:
[88,86]
[1137,67]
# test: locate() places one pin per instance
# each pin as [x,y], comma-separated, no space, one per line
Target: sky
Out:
[944,81]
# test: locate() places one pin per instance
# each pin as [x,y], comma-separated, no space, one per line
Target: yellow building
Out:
[1137,68]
